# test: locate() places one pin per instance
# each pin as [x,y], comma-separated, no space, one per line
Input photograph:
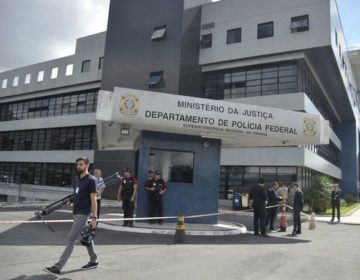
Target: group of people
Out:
[267,201]
[87,203]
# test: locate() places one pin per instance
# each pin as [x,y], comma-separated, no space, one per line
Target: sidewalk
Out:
[353,218]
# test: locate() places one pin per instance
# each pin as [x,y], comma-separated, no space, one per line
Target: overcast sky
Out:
[33,31]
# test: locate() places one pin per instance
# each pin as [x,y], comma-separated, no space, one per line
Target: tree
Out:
[318,194]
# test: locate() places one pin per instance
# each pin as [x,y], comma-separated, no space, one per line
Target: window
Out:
[4,83]
[265,30]
[336,38]
[300,24]
[85,67]
[206,41]
[101,63]
[233,36]
[69,69]
[158,32]
[175,166]
[340,52]
[54,72]
[40,76]
[16,81]
[155,79]
[27,79]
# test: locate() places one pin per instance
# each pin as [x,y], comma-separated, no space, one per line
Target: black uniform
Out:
[271,212]
[156,208]
[297,208]
[258,196]
[335,203]
[126,194]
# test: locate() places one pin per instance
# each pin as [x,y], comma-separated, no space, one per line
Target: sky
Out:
[34,31]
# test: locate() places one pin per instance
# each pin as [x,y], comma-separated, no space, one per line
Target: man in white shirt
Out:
[100,186]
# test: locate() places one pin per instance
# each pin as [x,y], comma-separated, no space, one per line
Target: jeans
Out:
[80,222]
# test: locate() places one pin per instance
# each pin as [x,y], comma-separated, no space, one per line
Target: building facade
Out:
[284,54]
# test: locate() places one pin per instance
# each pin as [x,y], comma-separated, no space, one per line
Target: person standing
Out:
[127,194]
[100,186]
[298,205]
[156,188]
[257,199]
[335,202]
[272,201]
[84,202]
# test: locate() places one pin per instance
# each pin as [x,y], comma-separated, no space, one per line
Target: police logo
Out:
[129,105]
[309,127]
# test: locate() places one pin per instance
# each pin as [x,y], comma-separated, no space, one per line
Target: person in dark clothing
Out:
[84,202]
[297,208]
[257,199]
[273,200]
[126,194]
[335,202]
[156,188]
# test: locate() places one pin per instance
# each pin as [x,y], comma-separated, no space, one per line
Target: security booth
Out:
[183,136]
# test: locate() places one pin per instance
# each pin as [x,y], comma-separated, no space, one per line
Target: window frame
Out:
[228,42]
[263,36]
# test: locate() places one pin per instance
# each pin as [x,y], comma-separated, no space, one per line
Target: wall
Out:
[247,14]
[200,197]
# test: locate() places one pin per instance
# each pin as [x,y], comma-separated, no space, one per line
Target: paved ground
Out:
[329,252]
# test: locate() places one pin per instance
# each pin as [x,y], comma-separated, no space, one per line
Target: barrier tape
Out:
[222,212]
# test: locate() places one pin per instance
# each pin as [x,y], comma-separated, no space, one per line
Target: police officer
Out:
[156,188]
[273,200]
[127,193]
[258,199]
[335,202]
[298,205]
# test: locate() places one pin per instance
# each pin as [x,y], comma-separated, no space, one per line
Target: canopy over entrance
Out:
[124,113]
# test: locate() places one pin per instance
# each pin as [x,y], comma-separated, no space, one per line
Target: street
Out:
[329,252]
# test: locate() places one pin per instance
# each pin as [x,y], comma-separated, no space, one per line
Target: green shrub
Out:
[318,194]
[350,198]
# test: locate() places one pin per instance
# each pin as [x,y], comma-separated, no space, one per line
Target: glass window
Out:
[300,24]
[40,77]
[251,175]
[158,32]
[54,73]
[69,69]
[85,67]
[101,63]
[268,173]
[265,30]
[4,83]
[206,41]
[27,79]
[175,166]
[155,79]
[16,81]
[233,36]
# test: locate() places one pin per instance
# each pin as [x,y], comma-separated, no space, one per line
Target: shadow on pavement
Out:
[40,235]
[39,277]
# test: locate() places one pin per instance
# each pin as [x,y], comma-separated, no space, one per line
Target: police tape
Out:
[221,212]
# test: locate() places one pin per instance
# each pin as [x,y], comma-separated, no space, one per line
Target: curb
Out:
[232,229]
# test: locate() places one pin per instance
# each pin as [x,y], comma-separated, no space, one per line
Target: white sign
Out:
[146,110]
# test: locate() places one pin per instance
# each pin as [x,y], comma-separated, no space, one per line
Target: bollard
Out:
[312,224]
[180,231]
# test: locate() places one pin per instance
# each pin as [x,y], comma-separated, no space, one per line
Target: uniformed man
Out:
[335,202]
[127,194]
[273,200]
[156,188]
[298,205]
[258,199]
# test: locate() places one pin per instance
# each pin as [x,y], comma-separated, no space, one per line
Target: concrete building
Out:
[48,120]
[285,54]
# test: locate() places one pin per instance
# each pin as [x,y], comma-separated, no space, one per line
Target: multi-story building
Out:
[47,120]
[286,54]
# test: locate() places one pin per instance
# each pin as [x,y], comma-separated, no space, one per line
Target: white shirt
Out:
[100,185]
